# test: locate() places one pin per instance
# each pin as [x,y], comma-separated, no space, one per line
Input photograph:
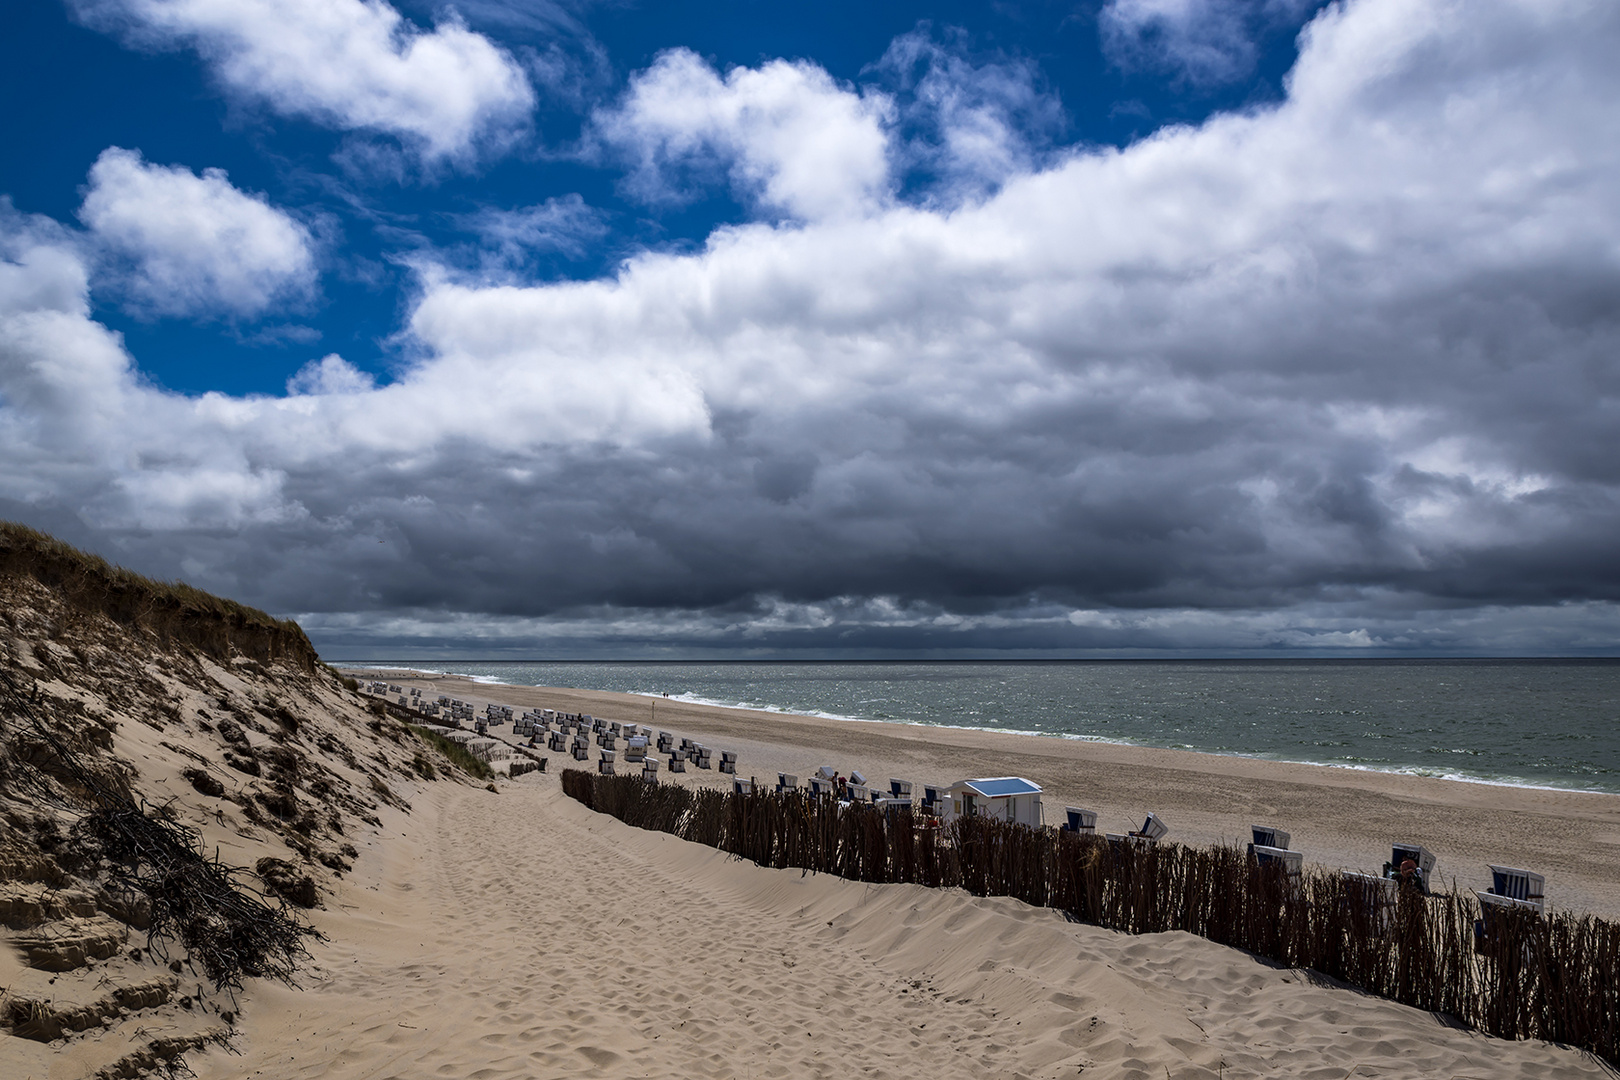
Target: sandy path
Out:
[520,935]
[1338,817]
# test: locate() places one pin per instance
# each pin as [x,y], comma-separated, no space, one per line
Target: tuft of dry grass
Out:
[454,752]
[172,610]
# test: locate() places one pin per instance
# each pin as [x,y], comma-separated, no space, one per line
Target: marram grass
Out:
[172,610]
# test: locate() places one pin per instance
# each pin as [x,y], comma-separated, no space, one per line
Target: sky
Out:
[574,329]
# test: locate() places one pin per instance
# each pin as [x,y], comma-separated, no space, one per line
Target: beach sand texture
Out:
[521,935]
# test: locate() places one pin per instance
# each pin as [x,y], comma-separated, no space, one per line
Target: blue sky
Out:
[73,90]
[1145,327]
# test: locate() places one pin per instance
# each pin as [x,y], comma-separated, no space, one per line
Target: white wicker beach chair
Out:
[1269,836]
[1152,829]
[1292,862]
[1079,821]
[1490,902]
[1373,897]
[1419,854]
[1524,886]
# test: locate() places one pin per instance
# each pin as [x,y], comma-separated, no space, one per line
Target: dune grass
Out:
[173,610]
[455,752]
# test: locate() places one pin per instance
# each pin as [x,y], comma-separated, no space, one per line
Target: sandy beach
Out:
[1340,818]
[520,935]
[514,933]
[503,931]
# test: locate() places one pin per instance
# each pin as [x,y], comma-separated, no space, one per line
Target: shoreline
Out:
[1340,817]
[1417,771]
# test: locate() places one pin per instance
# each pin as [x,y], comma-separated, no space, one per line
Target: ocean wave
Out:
[546,674]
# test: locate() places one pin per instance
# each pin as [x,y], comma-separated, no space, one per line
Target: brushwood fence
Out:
[1531,977]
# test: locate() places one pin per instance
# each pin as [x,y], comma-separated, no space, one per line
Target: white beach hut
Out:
[1009,798]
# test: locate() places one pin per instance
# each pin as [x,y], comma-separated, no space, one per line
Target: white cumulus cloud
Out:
[183,244]
[76,416]
[786,133]
[1340,371]
[331,374]
[978,122]
[1206,42]
[356,65]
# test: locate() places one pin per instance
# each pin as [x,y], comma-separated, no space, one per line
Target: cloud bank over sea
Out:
[1336,372]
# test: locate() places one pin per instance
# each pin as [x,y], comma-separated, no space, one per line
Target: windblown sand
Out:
[521,935]
[517,934]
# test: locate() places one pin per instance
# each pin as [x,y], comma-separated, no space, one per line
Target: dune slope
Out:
[219,721]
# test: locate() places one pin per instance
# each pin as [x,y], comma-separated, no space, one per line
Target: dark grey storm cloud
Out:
[1341,374]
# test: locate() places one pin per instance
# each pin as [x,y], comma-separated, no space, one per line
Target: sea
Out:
[1533,723]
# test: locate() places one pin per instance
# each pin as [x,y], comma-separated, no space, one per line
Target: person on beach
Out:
[1411,877]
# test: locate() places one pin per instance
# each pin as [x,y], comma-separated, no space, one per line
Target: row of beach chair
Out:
[574,734]
[1512,889]
[857,789]
[1083,822]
